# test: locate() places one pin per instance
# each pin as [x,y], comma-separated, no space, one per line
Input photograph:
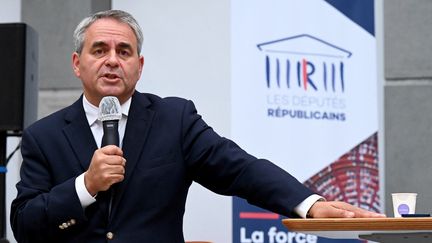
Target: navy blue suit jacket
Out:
[167,146]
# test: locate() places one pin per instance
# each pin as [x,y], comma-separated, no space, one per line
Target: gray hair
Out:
[118,15]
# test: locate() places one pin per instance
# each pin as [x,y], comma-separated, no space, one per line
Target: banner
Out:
[304,95]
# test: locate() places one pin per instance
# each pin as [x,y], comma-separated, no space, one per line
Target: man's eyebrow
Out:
[98,44]
[121,45]
[125,45]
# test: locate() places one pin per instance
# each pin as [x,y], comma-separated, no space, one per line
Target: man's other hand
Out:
[333,209]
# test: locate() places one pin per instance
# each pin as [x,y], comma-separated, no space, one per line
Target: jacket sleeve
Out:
[223,167]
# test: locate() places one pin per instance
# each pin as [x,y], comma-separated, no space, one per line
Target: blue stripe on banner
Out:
[3,169]
[359,11]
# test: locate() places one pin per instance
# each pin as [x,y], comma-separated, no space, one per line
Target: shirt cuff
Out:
[84,196]
[303,208]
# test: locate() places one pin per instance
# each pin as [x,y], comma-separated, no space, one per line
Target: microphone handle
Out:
[110,133]
[110,137]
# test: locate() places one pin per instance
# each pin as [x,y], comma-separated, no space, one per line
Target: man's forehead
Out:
[110,27]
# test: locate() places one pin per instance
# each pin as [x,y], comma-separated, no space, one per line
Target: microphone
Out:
[110,114]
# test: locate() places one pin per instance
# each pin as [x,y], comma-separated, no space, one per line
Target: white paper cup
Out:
[404,203]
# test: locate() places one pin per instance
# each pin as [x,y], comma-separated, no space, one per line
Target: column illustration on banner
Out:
[308,63]
[285,56]
[304,95]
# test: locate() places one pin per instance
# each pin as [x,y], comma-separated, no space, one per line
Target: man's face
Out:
[109,63]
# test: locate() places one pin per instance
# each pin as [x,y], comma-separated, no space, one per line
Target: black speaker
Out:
[18,76]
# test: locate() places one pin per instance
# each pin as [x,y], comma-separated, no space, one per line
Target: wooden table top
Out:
[358,224]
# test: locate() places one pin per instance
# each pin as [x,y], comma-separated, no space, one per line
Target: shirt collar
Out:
[91,111]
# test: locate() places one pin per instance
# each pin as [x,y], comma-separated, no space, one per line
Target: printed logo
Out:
[306,62]
[305,77]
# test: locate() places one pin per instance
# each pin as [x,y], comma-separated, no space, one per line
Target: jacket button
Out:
[109,235]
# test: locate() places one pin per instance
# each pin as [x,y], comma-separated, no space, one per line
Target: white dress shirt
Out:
[91,112]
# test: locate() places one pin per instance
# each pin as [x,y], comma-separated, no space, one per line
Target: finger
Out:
[115,160]
[117,170]
[335,212]
[359,212]
[111,179]
[367,214]
[116,178]
[329,210]
[112,150]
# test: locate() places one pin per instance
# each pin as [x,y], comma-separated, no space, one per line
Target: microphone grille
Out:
[109,109]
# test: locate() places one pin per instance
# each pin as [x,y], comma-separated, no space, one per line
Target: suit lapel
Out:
[79,135]
[137,129]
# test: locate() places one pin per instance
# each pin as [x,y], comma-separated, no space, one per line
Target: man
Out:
[67,177]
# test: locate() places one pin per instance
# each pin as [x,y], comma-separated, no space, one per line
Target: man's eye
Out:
[98,52]
[124,53]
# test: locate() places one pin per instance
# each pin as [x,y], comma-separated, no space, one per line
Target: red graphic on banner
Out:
[352,178]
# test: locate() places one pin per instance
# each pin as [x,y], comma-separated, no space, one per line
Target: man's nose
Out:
[112,59]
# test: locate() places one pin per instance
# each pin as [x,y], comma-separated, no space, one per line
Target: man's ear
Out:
[141,63]
[75,64]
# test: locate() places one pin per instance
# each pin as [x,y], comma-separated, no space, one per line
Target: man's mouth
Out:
[110,76]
